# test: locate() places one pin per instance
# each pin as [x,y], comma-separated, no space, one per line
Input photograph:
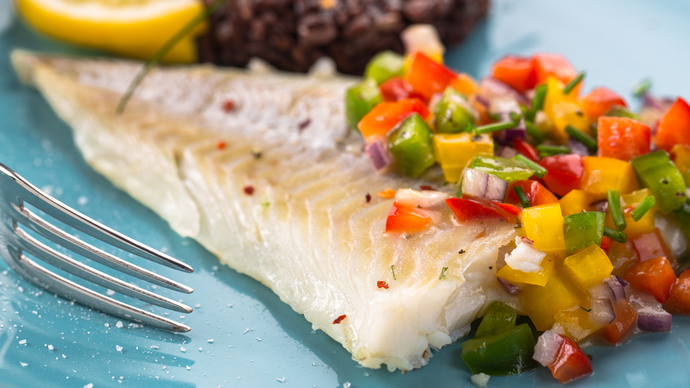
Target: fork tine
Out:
[74,267]
[73,218]
[57,284]
[56,235]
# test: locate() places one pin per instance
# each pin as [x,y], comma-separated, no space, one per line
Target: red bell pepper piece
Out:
[599,100]
[622,325]
[428,77]
[468,209]
[654,276]
[571,362]
[565,173]
[606,243]
[402,218]
[535,191]
[516,72]
[551,64]
[387,115]
[622,138]
[396,89]
[679,302]
[528,150]
[674,126]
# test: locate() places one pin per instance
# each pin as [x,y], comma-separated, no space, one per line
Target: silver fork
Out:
[15,191]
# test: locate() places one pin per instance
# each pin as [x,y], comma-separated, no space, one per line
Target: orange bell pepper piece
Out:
[516,72]
[465,84]
[599,100]
[386,115]
[551,64]
[622,138]
[674,126]
[654,276]
[403,218]
[616,331]
[679,302]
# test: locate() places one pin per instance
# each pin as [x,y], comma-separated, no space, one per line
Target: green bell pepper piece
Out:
[583,230]
[360,99]
[385,65]
[506,352]
[657,172]
[507,169]
[498,317]
[412,146]
[621,111]
[453,113]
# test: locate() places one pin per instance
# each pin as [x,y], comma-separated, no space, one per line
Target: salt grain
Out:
[281,379]
[22,342]
[188,368]
[23,364]
[110,292]
[119,324]
[183,350]
[346,384]
[210,341]
[118,348]
[83,200]
[89,385]
[20,289]
[50,347]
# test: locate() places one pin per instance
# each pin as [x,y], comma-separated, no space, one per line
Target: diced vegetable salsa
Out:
[598,195]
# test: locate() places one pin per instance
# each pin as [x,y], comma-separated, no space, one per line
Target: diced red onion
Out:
[649,101]
[491,88]
[652,110]
[506,152]
[622,281]
[578,148]
[482,100]
[651,315]
[379,155]
[482,185]
[507,136]
[547,347]
[601,206]
[508,286]
[616,289]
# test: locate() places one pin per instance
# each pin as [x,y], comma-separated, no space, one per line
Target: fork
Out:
[16,191]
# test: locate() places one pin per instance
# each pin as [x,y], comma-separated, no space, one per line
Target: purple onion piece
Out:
[616,289]
[474,182]
[507,136]
[379,155]
[491,88]
[622,282]
[482,100]
[654,322]
[576,147]
[510,287]
[601,206]
[649,101]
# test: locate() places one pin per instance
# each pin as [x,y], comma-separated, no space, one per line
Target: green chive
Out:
[572,84]
[643,208]
[489,128]
[516,117]
[539,171]
[533,131]
[642,88]
[614,198]
[584,138]
[615,235]
[548,150]
[181,33]
[443,273]
[522,196]
[393,270]
[537,102]
[588,310]
[265,204]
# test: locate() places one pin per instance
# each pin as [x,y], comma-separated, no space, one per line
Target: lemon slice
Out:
[133,28]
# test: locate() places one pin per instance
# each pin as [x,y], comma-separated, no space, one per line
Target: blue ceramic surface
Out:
[243,336]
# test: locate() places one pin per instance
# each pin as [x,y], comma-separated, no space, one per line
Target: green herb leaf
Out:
[443,273]
[642,88]
[572,84]
[393,271]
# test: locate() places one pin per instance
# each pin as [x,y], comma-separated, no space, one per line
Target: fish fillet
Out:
[307,230]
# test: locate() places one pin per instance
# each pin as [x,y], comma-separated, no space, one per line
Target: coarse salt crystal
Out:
[118,348]
[50,347]
[110,292]
[23,364]
[22,342]
[210,341]
[188,367]
[183,350]
[89,385]
[119,324]
[281,379]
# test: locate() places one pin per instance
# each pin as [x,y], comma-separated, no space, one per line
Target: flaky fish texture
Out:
[195,141]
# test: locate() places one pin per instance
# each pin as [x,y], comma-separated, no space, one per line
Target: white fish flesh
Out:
[307,230]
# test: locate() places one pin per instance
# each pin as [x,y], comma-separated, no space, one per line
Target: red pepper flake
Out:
[304,124]
[382,284]
[228,106]
[221,145]
[249,189]
[426,188]
[339,319]
[368,197]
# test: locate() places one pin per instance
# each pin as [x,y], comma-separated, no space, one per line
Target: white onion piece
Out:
[474,182]
[616,289]
[673,236]
[496,189]
[601,312]
[546,349]
[426,199]
[651,316]
[422,38]
[525,257]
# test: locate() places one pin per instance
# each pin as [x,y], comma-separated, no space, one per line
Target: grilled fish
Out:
[260,167]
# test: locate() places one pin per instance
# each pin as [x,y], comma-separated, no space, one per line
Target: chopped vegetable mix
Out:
[597,195]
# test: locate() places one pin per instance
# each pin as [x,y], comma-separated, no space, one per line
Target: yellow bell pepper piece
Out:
[454,151]
[563,110]
[681,157]
[575,201]
[536,278]
[645,224]
[576,322]
[542,303]
[602,174]
[588,267]
[543,224]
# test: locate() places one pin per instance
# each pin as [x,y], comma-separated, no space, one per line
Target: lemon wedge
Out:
[133,28]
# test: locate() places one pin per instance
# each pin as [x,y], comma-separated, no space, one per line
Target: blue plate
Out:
[243,336]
